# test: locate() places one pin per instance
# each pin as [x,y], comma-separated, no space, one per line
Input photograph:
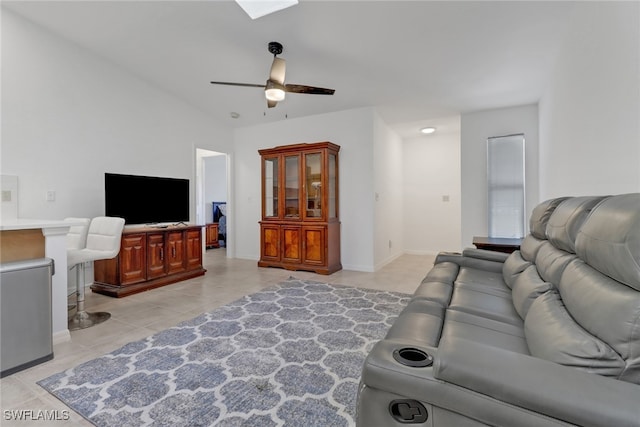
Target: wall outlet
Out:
[51,196]
[445,198]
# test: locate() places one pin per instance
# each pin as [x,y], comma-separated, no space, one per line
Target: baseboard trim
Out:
[421,252]
[355,267]
[61,336]
[388,260]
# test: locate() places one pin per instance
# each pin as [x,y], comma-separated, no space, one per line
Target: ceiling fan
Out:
[275,88]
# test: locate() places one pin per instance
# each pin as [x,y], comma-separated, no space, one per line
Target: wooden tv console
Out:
[149,258]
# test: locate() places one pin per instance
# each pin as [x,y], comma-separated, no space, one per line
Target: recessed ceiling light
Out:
[428,130]
[234,115]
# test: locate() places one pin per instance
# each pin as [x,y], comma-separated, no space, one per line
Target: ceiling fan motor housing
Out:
[275,48]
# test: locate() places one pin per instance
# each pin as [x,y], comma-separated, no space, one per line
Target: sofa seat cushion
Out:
[482,278]
[486,302]
[420,323]
[460,324]
[552,334]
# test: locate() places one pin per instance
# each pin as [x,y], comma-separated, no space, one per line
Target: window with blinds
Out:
[506,186]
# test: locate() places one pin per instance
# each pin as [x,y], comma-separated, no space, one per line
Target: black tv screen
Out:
[146,199]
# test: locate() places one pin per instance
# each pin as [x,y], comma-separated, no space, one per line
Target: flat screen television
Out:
[146,199]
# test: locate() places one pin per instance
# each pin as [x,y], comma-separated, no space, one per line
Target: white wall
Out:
[352,130]
[69,116]
[475,129]
[388,183]
[431,170]
[590,112]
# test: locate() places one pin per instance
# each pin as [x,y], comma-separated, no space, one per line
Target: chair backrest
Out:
[77,235]
[104,235]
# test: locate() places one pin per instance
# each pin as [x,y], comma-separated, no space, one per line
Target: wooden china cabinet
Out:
[300,226]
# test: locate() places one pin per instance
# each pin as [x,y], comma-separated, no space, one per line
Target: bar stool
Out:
[77,239]
[103,242]
[77,235]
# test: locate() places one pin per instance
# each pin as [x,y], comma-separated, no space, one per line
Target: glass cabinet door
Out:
[271,187]
[292,186]
[313,185]
[332,197]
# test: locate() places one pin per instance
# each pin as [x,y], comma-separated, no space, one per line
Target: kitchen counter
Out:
[22,239]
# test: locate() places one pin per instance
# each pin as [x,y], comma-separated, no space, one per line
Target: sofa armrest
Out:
[485,254]
[387,379]
[475,258]
[539,385]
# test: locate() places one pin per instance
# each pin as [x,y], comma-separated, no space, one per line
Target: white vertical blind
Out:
[506,186]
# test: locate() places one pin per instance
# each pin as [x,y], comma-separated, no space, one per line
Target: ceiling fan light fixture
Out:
[428,130]
[274,91]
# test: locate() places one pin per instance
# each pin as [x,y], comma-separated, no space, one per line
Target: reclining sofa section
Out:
[546,336]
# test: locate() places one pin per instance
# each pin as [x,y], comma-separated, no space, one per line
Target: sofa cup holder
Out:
[413,357]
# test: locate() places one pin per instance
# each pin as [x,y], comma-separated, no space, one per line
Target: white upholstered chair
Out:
[103,242]
[77,235]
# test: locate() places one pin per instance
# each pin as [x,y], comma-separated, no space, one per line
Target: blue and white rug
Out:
[290,355]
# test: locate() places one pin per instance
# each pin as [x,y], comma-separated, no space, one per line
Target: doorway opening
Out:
[212,191]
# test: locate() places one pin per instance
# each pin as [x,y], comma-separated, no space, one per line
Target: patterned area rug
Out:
[290,355]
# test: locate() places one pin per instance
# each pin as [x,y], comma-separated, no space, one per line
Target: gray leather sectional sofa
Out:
[546,336]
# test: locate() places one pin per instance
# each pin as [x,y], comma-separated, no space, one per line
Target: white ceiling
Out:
[417,62]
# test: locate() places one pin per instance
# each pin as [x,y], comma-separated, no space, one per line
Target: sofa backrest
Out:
[539,268]
[610,240]
[562,228]
[567,219]
[521,259]
[540,217]
[592,320]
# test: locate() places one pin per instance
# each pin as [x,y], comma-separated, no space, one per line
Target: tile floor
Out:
[140,315]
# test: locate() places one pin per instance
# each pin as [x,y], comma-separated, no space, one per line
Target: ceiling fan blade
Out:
[308,89]
[277,70]
[238,84]
[271,104]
